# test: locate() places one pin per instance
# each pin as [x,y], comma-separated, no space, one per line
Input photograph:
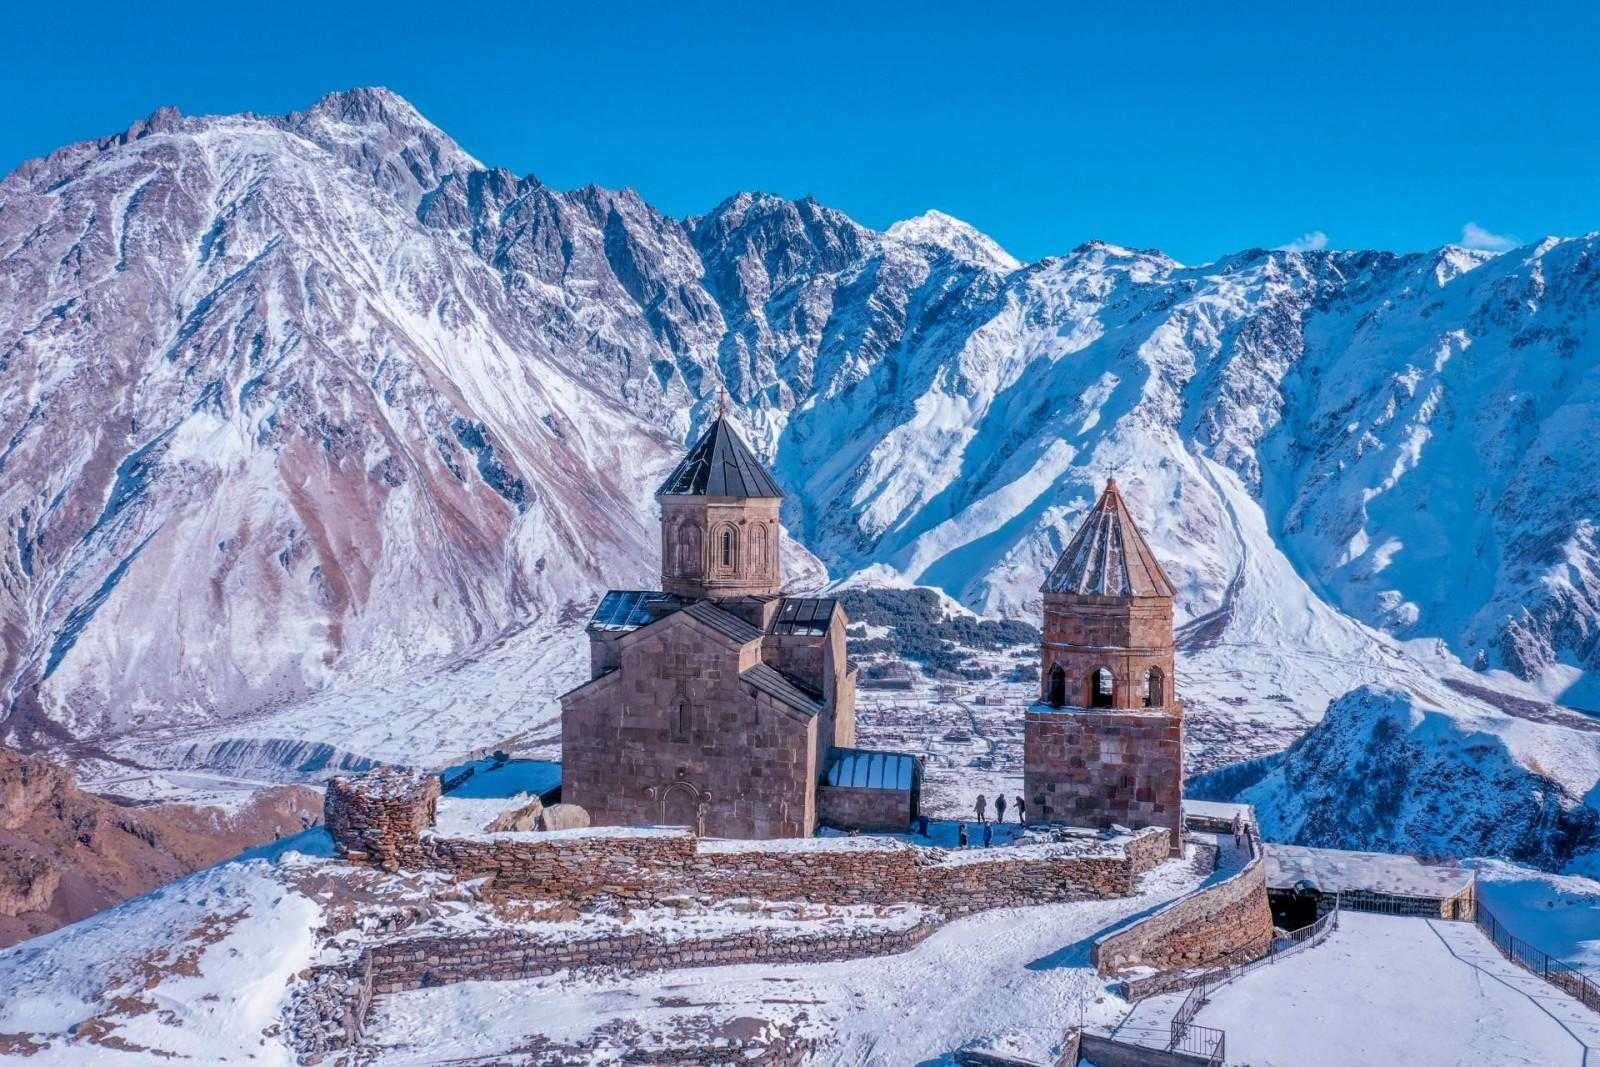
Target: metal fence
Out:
[1581,986]
[1186,1036]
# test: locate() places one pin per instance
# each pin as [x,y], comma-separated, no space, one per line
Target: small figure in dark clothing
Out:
[922,825]
[1000,807]
[988,834]
[1022,811]
[979,808]
[961,834]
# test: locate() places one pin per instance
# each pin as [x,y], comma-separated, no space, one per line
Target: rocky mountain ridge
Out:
[305,398]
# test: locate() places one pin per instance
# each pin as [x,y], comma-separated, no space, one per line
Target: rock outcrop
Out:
[66,853]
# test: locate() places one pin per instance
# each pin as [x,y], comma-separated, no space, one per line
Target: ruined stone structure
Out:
[716,702]
[1104,744]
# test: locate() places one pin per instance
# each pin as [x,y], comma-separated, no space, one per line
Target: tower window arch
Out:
[689,550]
[727,548]
[1102,688]
[1155,694]
[1058,686]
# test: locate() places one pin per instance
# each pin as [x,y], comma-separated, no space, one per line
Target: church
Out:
[718,702]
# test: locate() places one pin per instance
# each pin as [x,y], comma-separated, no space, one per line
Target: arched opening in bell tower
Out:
[1102,688]
[1155,690]
[1058,686]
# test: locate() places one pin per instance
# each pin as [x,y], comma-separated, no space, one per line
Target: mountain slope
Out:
[312,400]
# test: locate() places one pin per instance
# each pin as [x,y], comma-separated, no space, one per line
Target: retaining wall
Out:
[1230,918]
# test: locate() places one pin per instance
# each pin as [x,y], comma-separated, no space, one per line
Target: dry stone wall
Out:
[635,866]
[416,963]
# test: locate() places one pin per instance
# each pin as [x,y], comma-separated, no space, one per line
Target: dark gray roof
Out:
[779,687]
[804,615]
[1108,556]
[720,464]
[865,768]
[621,610]
[725,623]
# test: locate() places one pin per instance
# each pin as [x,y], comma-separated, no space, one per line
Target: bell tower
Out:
[719,521]
[1104,743]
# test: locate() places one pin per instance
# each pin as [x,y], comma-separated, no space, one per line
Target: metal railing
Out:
[1204,1041]
[1183,1025]
[1580,985]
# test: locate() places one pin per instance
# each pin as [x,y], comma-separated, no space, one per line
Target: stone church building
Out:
[1104,743]
[717,702]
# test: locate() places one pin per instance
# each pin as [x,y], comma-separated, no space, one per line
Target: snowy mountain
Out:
[294,405]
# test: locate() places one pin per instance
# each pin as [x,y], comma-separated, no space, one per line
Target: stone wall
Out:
[1227,919]
[851,808]
[1093,767]
[415,963]
[380,813]
[674,727]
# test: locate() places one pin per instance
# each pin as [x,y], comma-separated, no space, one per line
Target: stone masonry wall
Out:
[848,807]
[378,814]
[1103,768]
[1228,919]
[416,963]
[749,759]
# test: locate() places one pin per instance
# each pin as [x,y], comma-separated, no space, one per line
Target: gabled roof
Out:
[1108,556]
[725,623]
[781,688]
[720,464]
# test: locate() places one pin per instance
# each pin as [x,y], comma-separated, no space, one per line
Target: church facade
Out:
[1103,745]
[717,701]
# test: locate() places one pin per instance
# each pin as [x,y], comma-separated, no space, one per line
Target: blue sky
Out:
[1198,129]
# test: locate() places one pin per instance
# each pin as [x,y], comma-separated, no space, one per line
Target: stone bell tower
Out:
[719,521]
[1104,743]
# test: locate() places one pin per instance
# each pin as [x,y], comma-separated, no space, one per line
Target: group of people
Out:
[981,809]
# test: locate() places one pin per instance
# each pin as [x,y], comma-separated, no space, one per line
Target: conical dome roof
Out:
[1108,556]
[720,464]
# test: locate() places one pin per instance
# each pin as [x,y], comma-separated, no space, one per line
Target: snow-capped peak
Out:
[961,239]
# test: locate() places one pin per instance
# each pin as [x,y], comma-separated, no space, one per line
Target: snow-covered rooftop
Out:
[1333,870]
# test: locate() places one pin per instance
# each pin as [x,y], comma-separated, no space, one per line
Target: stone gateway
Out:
[717,702]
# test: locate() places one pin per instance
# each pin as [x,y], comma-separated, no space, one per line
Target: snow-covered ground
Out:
[1389,990]
[1016,977]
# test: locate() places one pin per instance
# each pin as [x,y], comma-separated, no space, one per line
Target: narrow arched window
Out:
[1155,693]
[727,548]
[1102,688]
[1058,686]
[680,723]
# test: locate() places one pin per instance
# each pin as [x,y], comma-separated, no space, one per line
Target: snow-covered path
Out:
[1388,990]
[1020,975]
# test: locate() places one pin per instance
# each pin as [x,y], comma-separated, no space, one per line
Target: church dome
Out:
[720,464]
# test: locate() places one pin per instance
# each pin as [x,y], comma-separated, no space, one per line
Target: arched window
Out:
[727,549]
[1058,686]
[680,723]
[1154,694]
[1102,688]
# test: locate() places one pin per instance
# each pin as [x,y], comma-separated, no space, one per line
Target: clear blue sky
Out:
[1196,128]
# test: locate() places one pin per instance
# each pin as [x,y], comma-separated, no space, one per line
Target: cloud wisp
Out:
[1475,236]
[1314,241]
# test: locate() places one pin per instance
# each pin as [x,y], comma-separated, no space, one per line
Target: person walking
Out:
[922,825]
[979,807]
[988,834]
[1000,807]
[1022,812]
[961,834]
